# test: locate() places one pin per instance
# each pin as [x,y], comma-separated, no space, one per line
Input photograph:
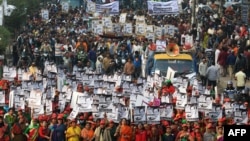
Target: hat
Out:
[197,127]
[184,125]
[209,126]
[168,81]
[221,120]
[111,121]
[168,126]
[102,122]
[53,116]
[60,116]
[1,112]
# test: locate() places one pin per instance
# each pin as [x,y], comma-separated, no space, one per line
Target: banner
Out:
[112,8]
[65,7]
[162,8]
[91,7]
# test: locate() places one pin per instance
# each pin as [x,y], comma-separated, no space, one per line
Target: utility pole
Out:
[193,19]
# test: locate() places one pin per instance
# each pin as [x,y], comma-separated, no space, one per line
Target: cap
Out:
[184,125]
[53,116]
[197,127]
[168,81]
[209,126]
[60,116]
[1,112]
[229,82]
[221,120]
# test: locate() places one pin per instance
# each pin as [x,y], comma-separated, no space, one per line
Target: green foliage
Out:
[19,15]
[5,37]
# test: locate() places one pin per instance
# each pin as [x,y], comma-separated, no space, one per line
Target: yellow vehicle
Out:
[181,63]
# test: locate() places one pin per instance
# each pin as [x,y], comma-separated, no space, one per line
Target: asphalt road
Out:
[223,83]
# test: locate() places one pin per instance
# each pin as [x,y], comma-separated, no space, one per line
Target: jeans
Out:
[203,80]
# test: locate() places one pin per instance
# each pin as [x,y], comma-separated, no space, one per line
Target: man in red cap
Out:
[111,129]
[99,131]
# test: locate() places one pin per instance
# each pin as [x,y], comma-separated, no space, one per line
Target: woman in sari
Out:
[59,129]
[125,131]
[87,133]
[3,129]
[32,131]
[219,135]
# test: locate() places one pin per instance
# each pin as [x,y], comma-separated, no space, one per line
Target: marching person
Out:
[87,133]
[240,78]
[212,74]
[202,71]
[58,132]
[73,133]
[33,70]
[31,131]
[43,131]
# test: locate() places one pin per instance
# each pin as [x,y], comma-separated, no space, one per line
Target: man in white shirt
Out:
[202,71]
[240,78]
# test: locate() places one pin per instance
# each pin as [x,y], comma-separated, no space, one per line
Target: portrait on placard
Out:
[91,7]
[139,114]
[150,28]
[140,29]
[99,29]
[65,7]
[128,28]
[205,103]
[116,27]
[158,31]
[150,35]
[181,101]
[153,114]
[45,14]
[192,113]
[166,111]
[122,18]
[215,113]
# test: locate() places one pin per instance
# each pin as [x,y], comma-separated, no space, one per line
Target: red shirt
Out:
[140,135]
[43,132]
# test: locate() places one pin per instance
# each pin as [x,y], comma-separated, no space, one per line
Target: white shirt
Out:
[241,79]
[217,52]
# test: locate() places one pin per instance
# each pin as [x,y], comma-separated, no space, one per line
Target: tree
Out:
[19,15]
[5,37]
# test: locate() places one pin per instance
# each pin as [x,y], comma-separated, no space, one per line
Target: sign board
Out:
[162,8]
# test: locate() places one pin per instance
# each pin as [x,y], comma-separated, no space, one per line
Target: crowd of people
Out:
[221,49]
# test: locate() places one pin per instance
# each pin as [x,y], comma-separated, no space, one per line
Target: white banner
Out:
[162,8]
[91,7]
[111,8]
